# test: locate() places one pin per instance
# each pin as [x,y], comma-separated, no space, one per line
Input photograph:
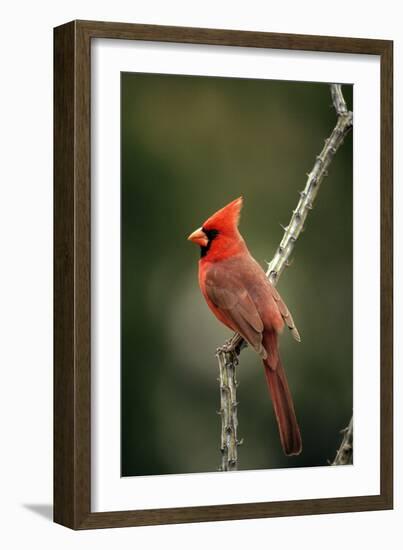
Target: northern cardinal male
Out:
[239,294]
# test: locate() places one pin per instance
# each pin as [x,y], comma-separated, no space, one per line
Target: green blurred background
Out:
[189,146]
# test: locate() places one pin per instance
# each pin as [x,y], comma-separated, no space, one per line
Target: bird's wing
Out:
[230,296]
[286,315]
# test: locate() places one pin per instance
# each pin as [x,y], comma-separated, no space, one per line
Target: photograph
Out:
[225,229]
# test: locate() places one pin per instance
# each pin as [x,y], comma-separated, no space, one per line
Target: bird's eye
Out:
[210,233]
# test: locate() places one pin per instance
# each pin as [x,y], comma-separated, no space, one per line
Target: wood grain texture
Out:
[64,383]
[72,277]
[72,291]
[387,273]
[220,37]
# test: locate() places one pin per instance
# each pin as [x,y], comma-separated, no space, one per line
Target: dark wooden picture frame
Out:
[72,268]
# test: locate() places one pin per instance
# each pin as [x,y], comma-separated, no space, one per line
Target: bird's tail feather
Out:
[283,407]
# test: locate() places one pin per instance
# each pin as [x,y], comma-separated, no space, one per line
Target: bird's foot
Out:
[230,345]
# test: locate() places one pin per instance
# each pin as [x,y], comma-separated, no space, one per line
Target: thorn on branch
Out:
[344,454]
[289,262]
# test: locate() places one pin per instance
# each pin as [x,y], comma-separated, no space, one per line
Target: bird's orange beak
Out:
[199,237]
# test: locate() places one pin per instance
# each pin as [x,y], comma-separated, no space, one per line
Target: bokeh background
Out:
[189,146]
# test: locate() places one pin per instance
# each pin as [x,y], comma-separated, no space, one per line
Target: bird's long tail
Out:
[282,400]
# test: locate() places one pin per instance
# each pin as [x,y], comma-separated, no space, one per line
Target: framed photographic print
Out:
[223,275]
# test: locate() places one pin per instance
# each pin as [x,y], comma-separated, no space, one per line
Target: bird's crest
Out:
[226,218]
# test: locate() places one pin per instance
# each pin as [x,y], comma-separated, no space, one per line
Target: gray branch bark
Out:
[228,411]
[228,354]
[345,453]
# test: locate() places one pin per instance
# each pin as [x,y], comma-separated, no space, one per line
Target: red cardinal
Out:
[239,294]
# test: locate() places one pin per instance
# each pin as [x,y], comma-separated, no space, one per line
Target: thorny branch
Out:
[345,453]
[228,354]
